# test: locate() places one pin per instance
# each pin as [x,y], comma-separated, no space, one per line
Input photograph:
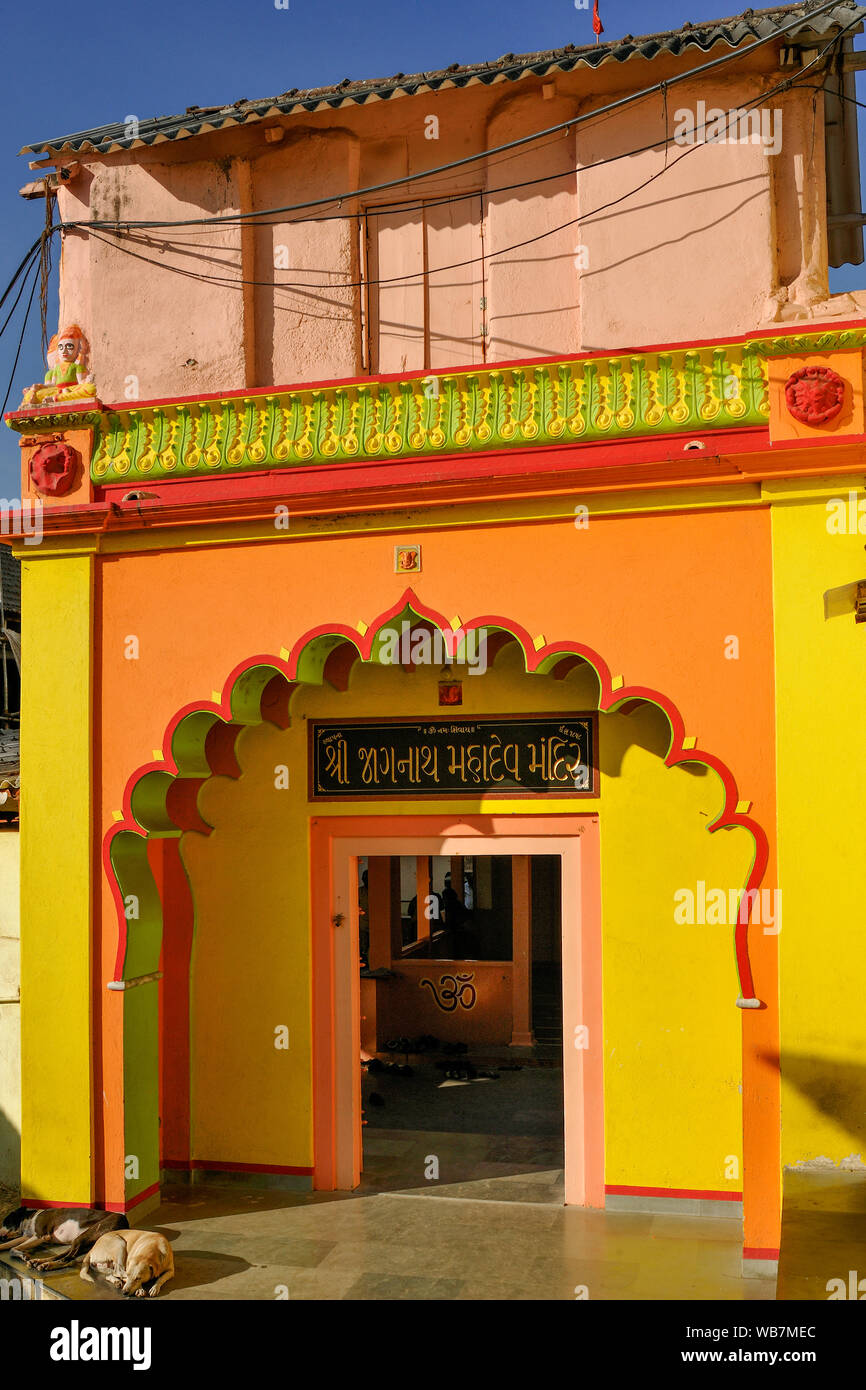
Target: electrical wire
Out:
[34,258]
[473,260]
[481,154]
[45,271]
[822,87]
[386,208]
[38,250]
[452,198]
[428,203]
[33,249]
[20,342]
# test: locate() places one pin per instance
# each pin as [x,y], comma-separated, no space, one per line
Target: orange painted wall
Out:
[657,596]
[408,1008]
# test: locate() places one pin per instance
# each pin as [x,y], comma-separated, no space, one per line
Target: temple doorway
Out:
[461,1024]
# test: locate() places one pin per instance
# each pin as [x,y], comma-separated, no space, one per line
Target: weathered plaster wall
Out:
[313,332]
[692,253]
[160,319]
[533,290]
[720,241]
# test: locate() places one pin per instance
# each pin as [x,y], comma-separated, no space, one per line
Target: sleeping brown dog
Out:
[136,1262]
[23,1230]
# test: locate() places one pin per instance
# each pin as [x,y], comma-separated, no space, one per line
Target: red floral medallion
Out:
[53,468]
[814,394]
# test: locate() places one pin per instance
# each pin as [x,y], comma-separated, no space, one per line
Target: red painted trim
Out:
[40,1204]
[325,491]
[134,1201]
[338,666]
[453,467]
[752,1252]
[609,700]
[776,330]
[189,1165]
[693,1193]
[181,804]
[177,937]
[815,441]
[87,404]
[471,368]
[635,465]
[219,749]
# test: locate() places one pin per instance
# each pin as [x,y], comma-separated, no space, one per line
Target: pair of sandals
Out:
[374,1065]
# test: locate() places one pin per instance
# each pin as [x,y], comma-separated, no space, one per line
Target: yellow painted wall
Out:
[821,749]
[56,598]
[672,1049]
[672,1028]
[10,1009]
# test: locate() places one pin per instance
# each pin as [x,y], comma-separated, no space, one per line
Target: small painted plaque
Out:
[407,559]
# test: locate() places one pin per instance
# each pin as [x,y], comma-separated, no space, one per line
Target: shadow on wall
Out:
[835,1089]
[10,1154]
[649,728]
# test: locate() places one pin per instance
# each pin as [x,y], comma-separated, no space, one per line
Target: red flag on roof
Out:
[597,26]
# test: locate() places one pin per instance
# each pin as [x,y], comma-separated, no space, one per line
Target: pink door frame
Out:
[336,843]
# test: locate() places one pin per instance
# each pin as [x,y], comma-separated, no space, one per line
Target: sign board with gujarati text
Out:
[504,755]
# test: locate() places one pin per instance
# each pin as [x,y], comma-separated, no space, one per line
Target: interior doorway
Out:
[460,963]
[343,848]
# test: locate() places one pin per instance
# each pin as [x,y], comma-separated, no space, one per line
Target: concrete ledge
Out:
[143,1208]
[213,1177]
[674,1206]
[760,1269]
[19,1285]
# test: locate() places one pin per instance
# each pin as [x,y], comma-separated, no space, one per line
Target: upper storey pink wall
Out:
[724,240]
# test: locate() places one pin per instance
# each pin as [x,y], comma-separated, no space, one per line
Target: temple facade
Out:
[462,469]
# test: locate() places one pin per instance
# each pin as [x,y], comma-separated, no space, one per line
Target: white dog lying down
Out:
[136,1262]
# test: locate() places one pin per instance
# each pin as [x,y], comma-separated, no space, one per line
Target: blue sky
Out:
[68,67]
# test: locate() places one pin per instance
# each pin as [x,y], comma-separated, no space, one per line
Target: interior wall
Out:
[546,936]
[671,1050]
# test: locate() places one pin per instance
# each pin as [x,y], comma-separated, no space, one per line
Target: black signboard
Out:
[544,755]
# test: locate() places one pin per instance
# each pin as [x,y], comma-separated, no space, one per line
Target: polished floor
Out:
[491,1227]
[823,1234]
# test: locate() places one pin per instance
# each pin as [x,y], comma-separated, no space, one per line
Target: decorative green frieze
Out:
[586,401]
[791,344]
[37,420]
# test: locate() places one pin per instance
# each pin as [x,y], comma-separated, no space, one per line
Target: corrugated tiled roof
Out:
[200,120]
